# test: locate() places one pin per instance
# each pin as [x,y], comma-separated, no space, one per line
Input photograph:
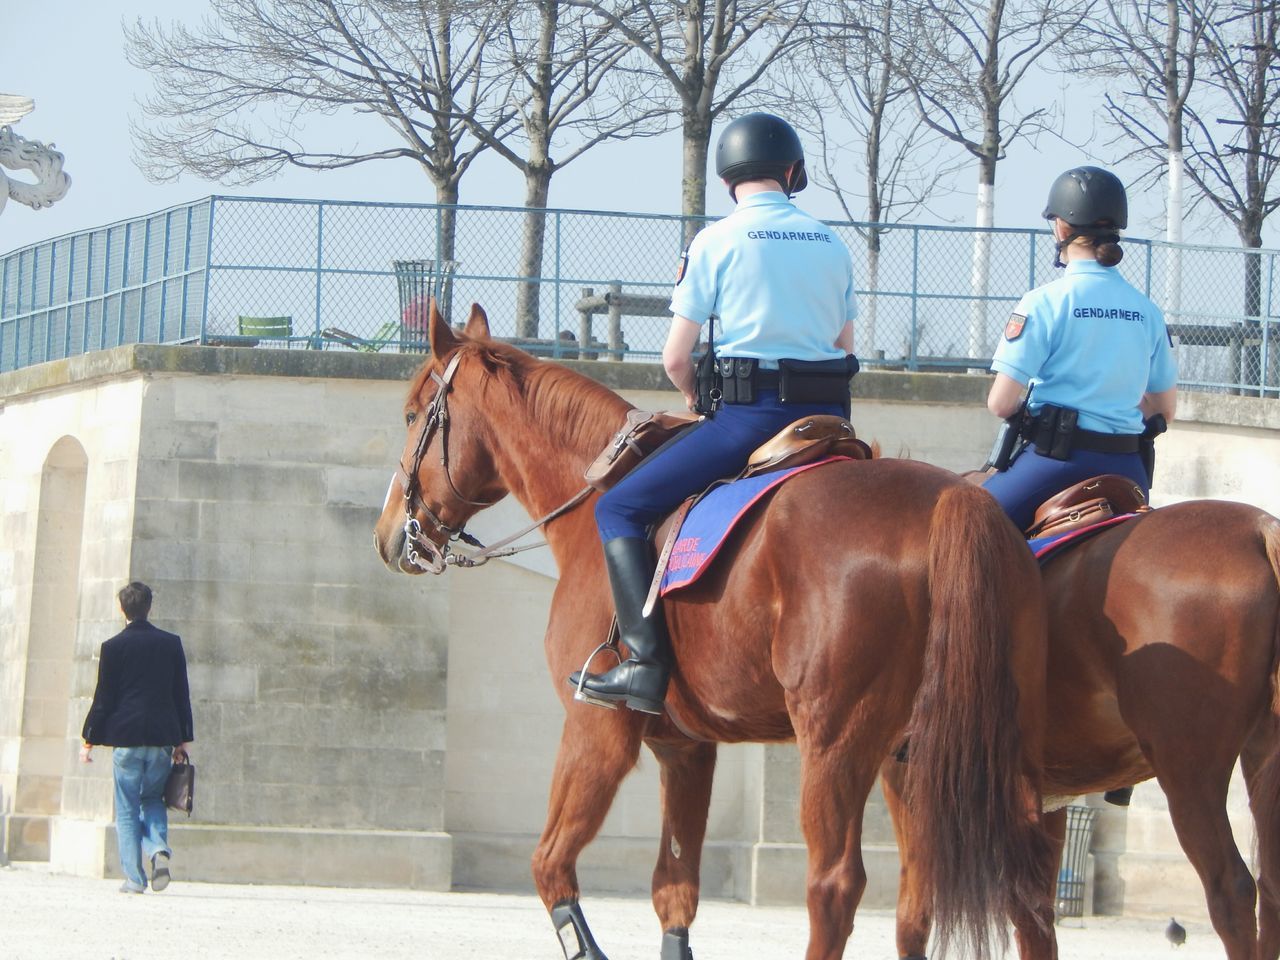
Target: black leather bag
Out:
[816,381]
[180,788]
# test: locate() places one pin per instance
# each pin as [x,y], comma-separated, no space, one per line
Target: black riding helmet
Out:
[760,146]
[1088,197]
[1092,202]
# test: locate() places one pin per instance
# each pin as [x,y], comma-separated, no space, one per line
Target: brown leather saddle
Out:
[1086,503]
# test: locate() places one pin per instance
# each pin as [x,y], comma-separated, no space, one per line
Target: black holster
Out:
[738,379]
[1053,431]
[1008,442]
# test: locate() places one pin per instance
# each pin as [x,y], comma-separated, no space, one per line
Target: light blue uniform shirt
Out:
[1091,342]
[780,281]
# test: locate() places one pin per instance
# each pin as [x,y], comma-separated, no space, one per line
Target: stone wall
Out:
[359,727]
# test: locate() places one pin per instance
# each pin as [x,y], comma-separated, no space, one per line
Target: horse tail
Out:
[985,853]
[1264,781]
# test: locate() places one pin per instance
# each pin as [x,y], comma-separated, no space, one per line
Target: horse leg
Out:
[596,752]
[1034,943]
[1261,764]
[915,912]
[1197,795]
[687,772]
[837,769]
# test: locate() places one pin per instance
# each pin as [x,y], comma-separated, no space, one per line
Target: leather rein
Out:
[420,550]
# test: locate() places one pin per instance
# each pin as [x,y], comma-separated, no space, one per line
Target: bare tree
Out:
[1208,101]
[1151,48]
[567,87]
[856,106]
[711,54]
[421,67]
[1234,144]
[964,59]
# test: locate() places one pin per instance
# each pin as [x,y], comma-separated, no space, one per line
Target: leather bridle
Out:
[420,550]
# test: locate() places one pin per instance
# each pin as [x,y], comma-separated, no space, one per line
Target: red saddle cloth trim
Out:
[687,553]
[1044,547]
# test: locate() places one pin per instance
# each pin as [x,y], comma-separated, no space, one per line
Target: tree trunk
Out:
[1173,234]
[446,244]
[693,198]
[868,338]
[979,346]
[537,188]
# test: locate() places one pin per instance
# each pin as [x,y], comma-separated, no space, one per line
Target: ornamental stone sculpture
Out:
[19,153]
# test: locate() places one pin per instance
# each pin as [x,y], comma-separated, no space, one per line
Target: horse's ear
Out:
[442,338]
[477,323]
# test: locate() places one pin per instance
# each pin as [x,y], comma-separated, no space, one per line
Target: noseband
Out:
[421,551]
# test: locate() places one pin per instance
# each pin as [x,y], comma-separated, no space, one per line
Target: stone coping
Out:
[878,385]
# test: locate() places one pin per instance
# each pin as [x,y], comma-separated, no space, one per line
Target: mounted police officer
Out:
[781,285]
[1093,352]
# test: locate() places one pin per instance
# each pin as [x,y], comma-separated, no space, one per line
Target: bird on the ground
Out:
[1175,933]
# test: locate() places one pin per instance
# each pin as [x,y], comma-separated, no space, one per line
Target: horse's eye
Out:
[409,418]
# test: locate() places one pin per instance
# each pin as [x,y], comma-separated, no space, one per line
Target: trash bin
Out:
[417,281]
[1073,872]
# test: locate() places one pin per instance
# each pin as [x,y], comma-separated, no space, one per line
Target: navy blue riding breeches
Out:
[1033,479]
[714,449]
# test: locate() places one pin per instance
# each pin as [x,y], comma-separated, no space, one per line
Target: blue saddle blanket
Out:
[712,519]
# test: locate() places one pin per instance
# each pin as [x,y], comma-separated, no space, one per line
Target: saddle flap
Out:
[641,434]
[1084,503]
[806,440]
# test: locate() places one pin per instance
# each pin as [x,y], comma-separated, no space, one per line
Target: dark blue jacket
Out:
[142,698]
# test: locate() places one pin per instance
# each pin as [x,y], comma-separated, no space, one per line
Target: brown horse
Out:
[1163,651]
[863,589]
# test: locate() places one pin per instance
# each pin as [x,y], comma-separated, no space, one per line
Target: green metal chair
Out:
[387,333]
[266,328]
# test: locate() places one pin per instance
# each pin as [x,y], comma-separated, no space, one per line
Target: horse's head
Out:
[447,473]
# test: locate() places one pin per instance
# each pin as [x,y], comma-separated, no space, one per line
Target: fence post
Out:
[4,299]
[146,268]
[124,282]
[555,328]
[208,269]
[913,349]
[66,311]
[1031,259]
[48,302]
[164,278]
[1265,359]
[186,278]
[315,333]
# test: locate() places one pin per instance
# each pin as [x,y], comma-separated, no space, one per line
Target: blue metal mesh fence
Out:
[321,273]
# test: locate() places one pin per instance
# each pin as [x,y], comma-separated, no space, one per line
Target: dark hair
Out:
[1108,251]
[135,601]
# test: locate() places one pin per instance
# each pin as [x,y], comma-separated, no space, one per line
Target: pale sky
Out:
[72,63]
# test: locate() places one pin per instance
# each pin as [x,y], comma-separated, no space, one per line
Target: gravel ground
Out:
[46,916]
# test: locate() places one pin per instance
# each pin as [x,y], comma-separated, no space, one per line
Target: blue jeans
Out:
[714,449]
[142,821]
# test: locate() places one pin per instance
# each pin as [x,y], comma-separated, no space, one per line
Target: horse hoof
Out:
[575,935]
[675,944]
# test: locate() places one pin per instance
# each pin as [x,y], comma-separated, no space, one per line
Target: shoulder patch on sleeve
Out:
[683,265]
[1013,329]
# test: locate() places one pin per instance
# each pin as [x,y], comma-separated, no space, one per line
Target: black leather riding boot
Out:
[641,681]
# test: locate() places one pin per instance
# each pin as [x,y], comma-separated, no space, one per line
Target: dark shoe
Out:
[641,681]
[160,871]
[1120,797]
